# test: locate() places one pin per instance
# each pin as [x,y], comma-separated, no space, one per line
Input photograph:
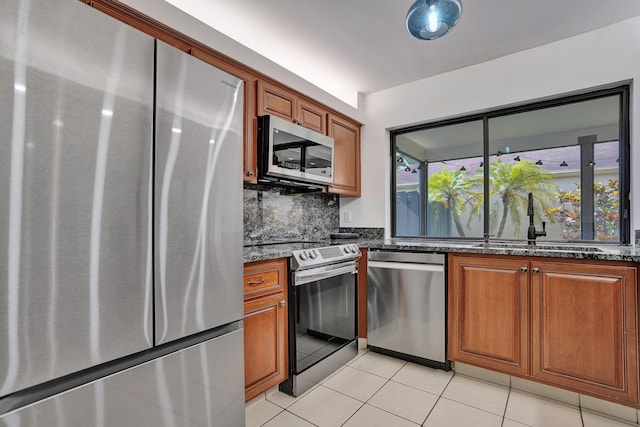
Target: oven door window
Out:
[325,318]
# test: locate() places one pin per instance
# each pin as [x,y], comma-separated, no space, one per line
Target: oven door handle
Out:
[306,276]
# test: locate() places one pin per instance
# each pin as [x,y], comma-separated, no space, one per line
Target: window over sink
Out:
[470,176]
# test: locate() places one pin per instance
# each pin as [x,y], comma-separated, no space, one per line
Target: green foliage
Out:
[606,211]
[454,191]
[510,184]
[509,187]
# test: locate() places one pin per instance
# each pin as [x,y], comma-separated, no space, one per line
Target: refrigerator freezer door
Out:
[198,196]
[75,213]
[201,385]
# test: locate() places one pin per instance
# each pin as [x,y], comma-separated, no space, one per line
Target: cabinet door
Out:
[346,171]
[584,328]
[275,100]
[312,116]
[488,313]
[265,346]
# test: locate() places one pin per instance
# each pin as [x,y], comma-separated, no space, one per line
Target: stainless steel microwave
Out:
[293,153]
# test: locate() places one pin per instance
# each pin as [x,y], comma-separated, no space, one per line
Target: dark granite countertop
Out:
[277,250]
[542,249]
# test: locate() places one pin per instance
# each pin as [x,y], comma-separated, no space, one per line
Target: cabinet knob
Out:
[535,270]
[283,303]
[250,173]
[524,269]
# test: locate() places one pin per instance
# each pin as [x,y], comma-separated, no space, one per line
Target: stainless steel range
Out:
[322,314]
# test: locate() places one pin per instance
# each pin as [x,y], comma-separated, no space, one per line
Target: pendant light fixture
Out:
[430,19]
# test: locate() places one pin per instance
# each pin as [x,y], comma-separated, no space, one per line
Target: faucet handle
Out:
[544,231]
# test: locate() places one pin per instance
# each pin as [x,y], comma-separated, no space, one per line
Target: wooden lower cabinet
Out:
[584,328]
[570,324]
[265,326]
[488,313]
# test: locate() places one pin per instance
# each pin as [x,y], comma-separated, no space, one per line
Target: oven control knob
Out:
[346,249]
[303,256]
[354,249]
[313,254]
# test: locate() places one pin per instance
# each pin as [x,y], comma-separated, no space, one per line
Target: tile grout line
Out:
[281,411]
[388,380]
[438,399]
[361,406]
[368,372]
[303,419]
[384,410]
[504,414]
[580,408]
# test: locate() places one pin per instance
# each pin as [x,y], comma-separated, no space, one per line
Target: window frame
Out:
[622,90]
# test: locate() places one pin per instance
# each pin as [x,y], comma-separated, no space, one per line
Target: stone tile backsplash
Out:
[637,237]
[276,214]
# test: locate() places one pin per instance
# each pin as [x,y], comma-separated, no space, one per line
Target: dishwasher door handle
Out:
[406,266]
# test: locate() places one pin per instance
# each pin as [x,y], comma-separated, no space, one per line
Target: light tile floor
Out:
[376,390]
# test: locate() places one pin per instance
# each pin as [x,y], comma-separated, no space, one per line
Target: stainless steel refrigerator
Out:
[120,226]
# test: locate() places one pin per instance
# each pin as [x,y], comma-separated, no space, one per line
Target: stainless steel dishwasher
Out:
[406,306]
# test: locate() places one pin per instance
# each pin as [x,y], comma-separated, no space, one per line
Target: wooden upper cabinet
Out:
[312,116]
[585,328]
[273,99]
[278,101]
[346,170]
[488,313]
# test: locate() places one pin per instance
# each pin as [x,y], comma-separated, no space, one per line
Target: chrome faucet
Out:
[532,233]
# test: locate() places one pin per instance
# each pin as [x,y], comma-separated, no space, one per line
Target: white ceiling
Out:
[347,47]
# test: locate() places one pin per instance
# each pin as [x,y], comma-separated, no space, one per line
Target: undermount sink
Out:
[538,247]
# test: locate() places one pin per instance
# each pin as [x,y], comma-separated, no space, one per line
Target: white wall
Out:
[598,58]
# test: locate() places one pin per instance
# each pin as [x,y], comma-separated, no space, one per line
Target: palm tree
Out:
[453,190]
[511,183]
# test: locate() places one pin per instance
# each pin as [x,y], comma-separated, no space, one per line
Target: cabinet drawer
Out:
[264,277]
